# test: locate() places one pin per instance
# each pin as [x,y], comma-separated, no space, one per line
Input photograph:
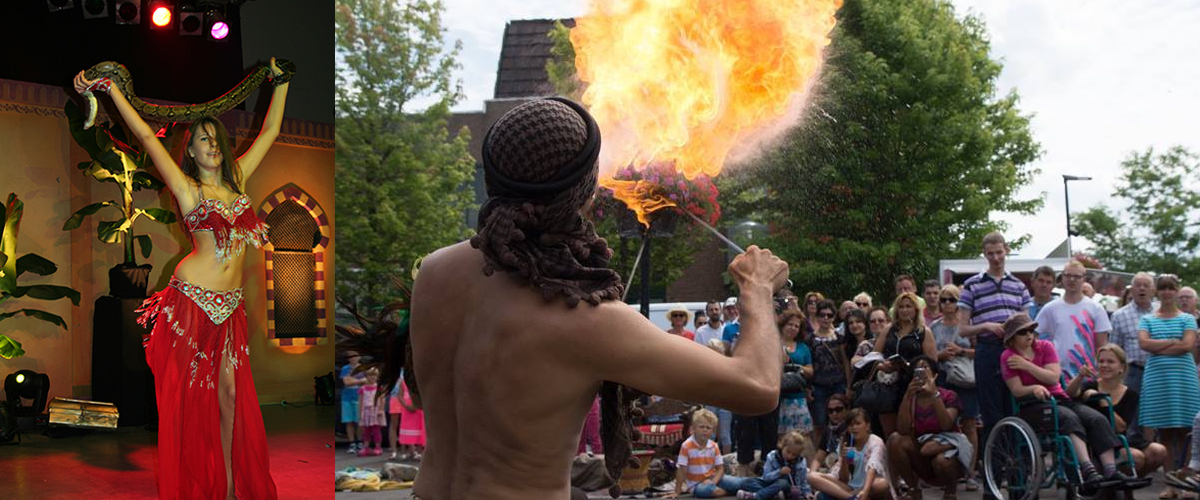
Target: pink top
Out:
[1043,354]
[925,418]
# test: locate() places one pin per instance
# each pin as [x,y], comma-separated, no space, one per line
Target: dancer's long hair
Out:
[230,173]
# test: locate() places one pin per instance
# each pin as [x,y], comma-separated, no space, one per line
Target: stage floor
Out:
[120,464]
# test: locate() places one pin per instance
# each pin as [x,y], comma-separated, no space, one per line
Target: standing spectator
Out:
[1088,290]
[1076,325]
[1170,389]
[879,321]
[371,415]
[863,301]
[927,442]
[1187,301]
[678,316]
[590,437]
[1125,328]
[714,328]
[987,300]
[811,299]
[724,417]
[830,365]
[843,311]
[907,284]
[788,299]
[861,469]
[907,338]
[412,424]
[793,407]
[350,382]
[729,334]
[929,293]
[701,319]
[950,345]
[856,342]
[1042,286]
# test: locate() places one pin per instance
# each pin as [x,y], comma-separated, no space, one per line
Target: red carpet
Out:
[120,464]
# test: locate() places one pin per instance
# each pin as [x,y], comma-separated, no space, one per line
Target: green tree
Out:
[1158,231]
[403,182]
[901,159]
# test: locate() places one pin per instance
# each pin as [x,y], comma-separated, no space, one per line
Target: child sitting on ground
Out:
[700,468]
[785,470]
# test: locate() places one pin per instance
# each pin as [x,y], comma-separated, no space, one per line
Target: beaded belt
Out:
[217,304]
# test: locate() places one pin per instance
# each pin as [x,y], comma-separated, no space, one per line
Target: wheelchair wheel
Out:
[1012,461]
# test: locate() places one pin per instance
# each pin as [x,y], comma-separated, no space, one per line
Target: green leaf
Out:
[35,264]
[47,292]
[110,231]
[77,219]
[100,172]
[39,314]
[10,348]
[159,215]
[112,161]
[146,244]
[85,138]
[143,180]
[14,209]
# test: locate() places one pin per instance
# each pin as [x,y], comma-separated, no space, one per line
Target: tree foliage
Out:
[1159,231]
[403,182]
[903,155]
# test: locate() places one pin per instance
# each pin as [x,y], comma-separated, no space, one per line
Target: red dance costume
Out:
[194,331]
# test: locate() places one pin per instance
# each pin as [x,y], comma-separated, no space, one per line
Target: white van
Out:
[658,313]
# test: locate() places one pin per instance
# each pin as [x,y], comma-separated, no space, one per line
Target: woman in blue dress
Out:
[1170,388]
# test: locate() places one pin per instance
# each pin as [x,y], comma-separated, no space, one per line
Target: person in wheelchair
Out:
[1108,379]
[928,442]
[1031,369]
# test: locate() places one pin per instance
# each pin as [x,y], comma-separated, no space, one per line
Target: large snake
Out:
[112,73]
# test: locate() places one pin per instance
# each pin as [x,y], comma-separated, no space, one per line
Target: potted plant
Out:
[12,267]
[115,160]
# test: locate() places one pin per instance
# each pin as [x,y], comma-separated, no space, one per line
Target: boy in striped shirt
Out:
[700,468]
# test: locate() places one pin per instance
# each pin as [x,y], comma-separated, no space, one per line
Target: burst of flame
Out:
[695,82]
[640,196]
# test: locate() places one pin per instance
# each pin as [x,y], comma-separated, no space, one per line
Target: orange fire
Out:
[639,196]
[695,82]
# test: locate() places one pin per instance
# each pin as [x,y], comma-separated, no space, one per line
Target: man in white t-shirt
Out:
[714,328]
[1077,325]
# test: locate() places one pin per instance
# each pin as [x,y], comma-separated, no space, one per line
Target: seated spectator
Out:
[952,348]
[836,409]
[678,316]
[1109,379]
[784,471]
[1030,367]
[928,442]
[860,472]
[700,468]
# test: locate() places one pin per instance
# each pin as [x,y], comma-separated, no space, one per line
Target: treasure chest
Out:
[80,413]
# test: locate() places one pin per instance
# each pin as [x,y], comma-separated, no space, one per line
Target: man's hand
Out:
[995,328]
[758,267]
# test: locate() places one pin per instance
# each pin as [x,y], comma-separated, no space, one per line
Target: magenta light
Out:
[220,30]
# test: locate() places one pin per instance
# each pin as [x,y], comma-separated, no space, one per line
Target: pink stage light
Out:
[219,30]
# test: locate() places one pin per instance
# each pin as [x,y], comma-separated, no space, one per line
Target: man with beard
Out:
[515,332]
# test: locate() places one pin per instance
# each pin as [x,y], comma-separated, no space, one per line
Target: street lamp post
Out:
[1067,202]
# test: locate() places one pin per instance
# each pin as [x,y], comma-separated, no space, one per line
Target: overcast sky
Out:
[1102,79]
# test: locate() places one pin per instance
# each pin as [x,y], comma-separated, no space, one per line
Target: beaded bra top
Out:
[232,226]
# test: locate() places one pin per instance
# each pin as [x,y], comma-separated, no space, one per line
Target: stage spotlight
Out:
[218,29]
[94,9]
[57,5]
[129,12]
[190,23]
[27,384]
[160,15]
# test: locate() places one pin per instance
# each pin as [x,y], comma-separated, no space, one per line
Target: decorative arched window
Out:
[295,263]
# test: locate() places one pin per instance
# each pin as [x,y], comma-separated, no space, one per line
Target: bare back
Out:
[506,377]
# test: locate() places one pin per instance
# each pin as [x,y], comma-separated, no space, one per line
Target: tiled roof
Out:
[522,69]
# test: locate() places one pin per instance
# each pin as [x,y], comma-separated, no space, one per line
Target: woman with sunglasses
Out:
[950,345]
[835,428]
[1170,389]
[907,338]
[829,361]
[678,316]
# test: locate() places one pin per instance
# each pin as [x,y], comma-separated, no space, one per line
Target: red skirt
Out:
[194,330]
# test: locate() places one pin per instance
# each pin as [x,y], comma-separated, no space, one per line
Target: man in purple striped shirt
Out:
[985,302]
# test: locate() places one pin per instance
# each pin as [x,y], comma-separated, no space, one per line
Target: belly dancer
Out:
[211,441]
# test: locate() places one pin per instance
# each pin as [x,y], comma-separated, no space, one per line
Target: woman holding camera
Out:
[793,407]
[928,442]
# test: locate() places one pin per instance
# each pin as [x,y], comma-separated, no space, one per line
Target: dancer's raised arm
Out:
[270,129]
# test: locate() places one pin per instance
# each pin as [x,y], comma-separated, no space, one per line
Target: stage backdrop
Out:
[39,162]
